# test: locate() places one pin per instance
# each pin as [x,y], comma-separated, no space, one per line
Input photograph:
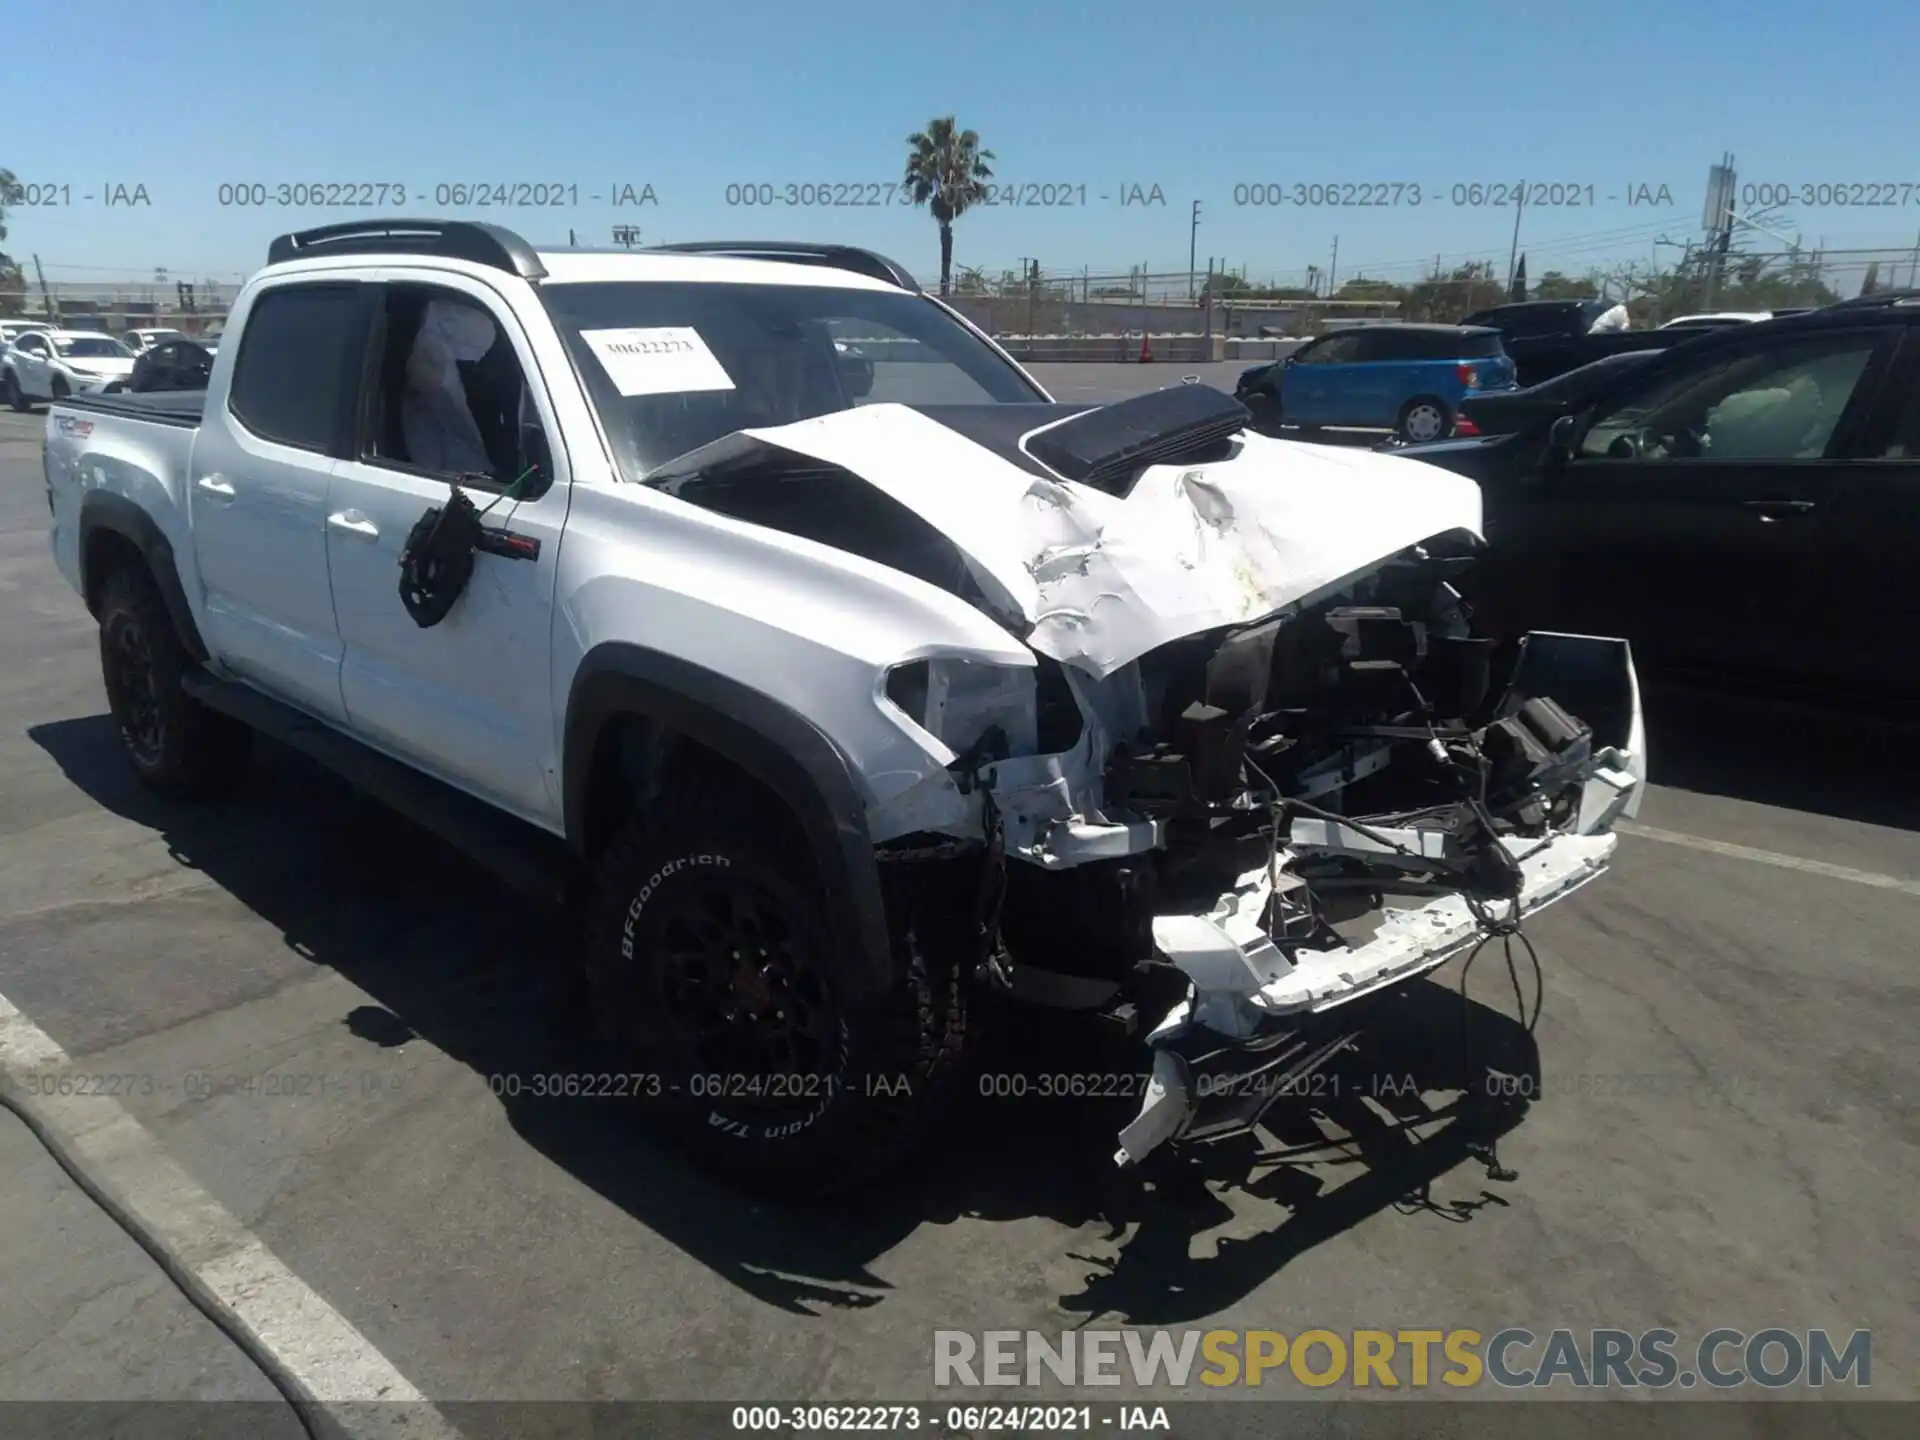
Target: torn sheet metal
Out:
[1103,580]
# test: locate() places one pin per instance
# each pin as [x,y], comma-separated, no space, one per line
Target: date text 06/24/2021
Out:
[1457,195]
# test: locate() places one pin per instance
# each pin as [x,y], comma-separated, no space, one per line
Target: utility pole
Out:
[1519,203]
[1333,269]
[1193,240]
[45,294]
[1721,192]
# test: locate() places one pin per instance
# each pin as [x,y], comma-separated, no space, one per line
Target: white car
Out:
[53,364]
[832,715]
[1715,319]
[11,330]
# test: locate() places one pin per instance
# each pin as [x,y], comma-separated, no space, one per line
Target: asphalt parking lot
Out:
[1716,1124]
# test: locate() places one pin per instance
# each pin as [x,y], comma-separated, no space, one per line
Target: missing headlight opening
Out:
[1229,841]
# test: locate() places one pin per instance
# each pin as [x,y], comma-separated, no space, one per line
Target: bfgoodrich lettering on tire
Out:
[709,958]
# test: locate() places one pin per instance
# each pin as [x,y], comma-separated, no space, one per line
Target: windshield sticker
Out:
[667,360]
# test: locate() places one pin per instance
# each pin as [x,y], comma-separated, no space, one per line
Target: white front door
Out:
[33,367]
[467,698]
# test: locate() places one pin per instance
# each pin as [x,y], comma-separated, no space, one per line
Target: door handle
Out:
[217,485]
[1772,510]
[354,523]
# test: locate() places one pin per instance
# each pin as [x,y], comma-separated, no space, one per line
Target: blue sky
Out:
[1197,100]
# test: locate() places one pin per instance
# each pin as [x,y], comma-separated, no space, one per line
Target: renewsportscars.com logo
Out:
[1513,1358]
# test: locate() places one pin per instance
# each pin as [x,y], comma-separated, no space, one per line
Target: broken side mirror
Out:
[535,454]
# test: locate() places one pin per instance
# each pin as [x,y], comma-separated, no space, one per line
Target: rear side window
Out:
[1386,345]
[298,359]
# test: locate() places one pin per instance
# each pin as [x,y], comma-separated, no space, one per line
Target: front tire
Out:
[61,390]
[179,748]
[710,963]
[1422,419]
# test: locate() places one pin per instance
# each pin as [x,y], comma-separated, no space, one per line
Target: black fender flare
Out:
[769,740]
[107,510]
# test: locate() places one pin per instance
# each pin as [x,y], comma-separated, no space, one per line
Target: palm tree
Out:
[947,172]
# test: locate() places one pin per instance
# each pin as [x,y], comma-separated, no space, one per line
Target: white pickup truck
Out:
[835,672]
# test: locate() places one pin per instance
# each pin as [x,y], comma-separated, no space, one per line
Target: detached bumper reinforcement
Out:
[1255,1004]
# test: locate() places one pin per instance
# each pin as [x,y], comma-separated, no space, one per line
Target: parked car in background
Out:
[181,363]
[1550,337]
[53,364]
[1717,319]
[1503,412]
[140,341]
[1744,506]
[11,330]
[1412,378]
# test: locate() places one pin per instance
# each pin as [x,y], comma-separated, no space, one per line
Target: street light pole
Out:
[1193,240]
[1513,255]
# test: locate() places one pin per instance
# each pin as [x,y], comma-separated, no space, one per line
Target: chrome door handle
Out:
[354,523]
[217,485]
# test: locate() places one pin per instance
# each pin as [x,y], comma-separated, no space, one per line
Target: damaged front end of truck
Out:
[1261,767]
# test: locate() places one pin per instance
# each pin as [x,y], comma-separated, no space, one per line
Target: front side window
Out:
[449,397]
[672,367]
[89,348]
[1780,404]
[297,361]
[1334,350]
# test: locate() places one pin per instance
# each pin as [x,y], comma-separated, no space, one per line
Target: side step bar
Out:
[524,857]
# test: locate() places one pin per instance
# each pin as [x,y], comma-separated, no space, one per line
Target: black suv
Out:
[1745,505]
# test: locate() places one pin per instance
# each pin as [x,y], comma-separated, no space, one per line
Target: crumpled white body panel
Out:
[1103,580]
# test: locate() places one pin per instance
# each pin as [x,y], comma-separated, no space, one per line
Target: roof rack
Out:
[489,245]
[839,257]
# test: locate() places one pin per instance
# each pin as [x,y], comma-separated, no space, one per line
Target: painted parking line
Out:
[332,1361]
[1770,857]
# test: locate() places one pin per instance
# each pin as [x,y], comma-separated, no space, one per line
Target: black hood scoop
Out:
[1104,446]
[1109,447]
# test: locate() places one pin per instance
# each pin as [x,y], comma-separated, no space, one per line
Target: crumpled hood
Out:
[1103,580]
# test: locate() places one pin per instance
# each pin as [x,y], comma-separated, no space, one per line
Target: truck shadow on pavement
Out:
[449,956]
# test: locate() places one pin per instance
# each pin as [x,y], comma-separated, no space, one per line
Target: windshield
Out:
[90,348]
[671,367]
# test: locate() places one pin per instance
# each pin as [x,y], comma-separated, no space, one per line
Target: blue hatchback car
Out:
[1411,378]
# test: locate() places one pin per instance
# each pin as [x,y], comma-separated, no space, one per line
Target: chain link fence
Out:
[1206,302]
[195,305]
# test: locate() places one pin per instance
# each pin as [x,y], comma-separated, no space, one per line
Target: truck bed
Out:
[162,407]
